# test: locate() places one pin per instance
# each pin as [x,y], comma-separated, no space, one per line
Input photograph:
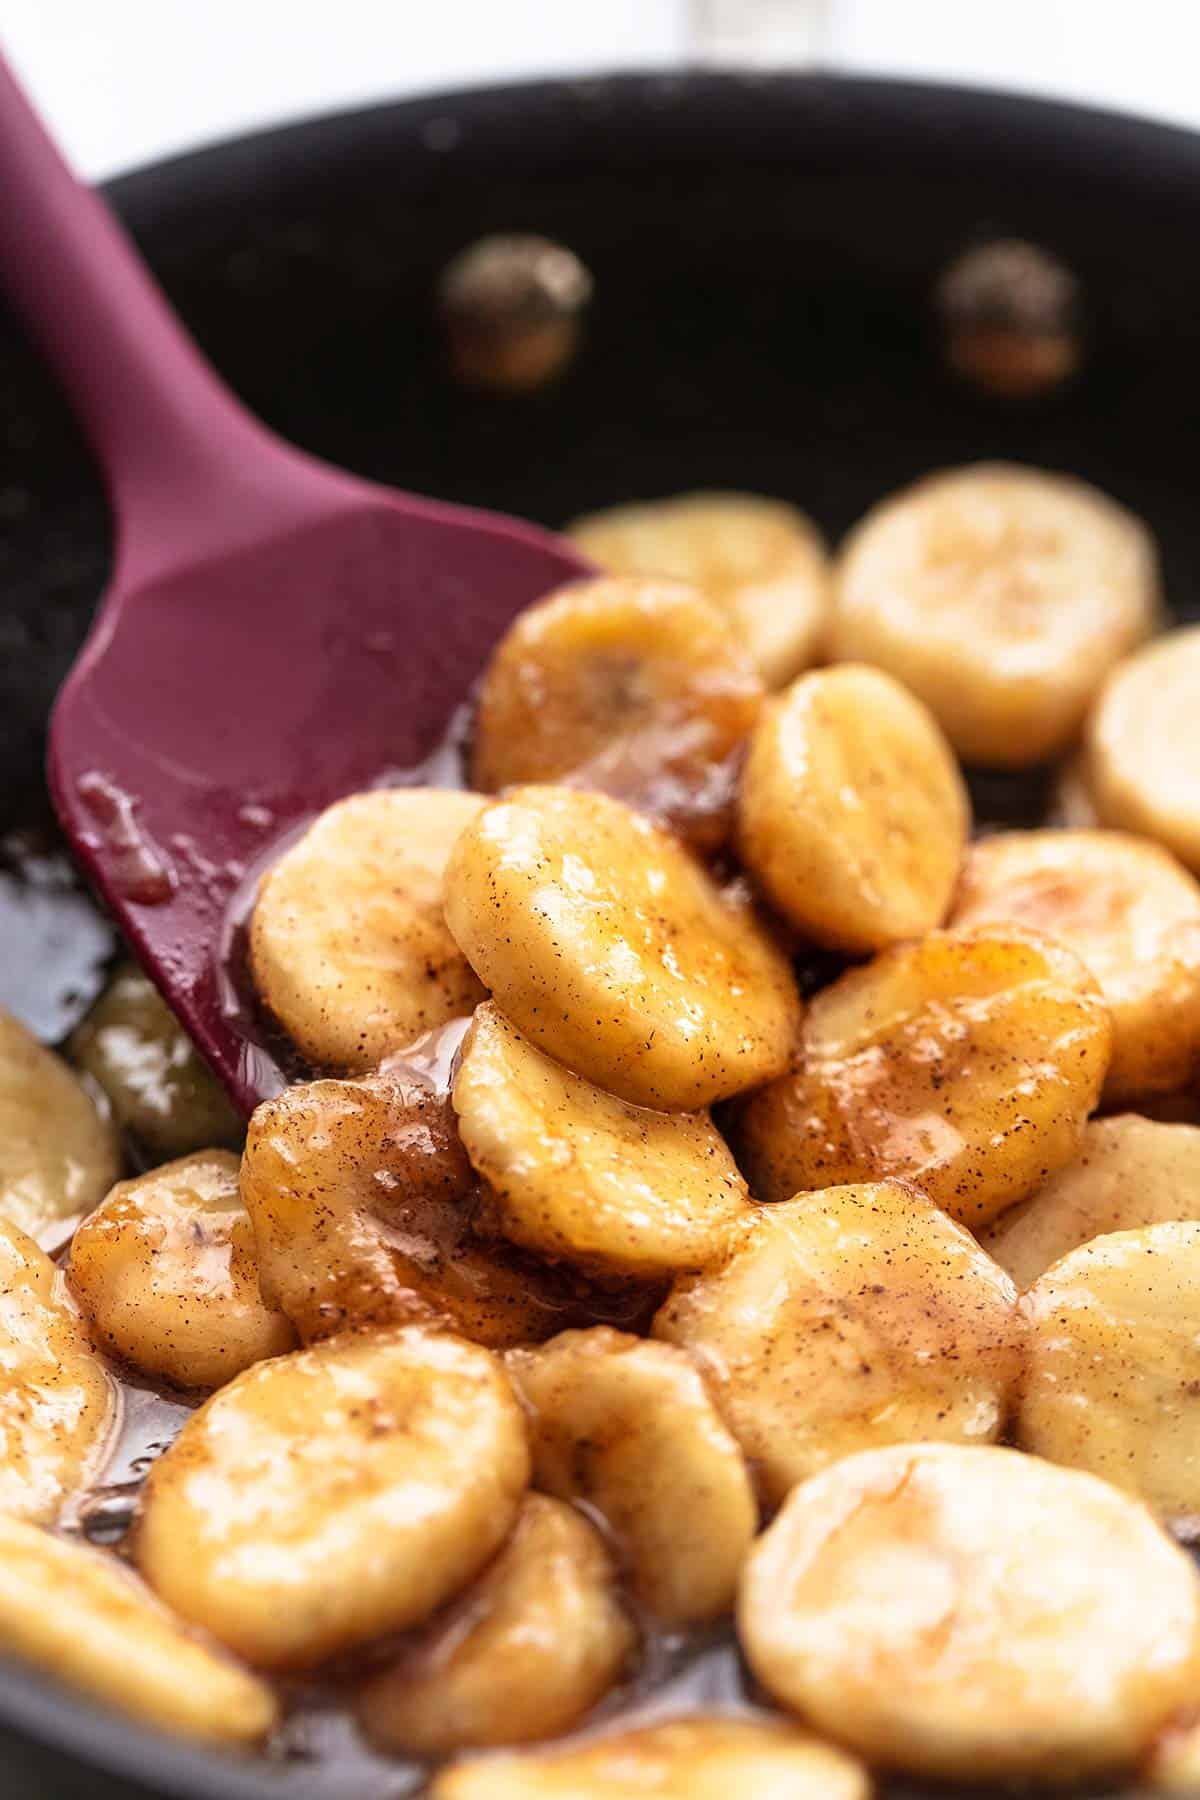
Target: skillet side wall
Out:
[763,249]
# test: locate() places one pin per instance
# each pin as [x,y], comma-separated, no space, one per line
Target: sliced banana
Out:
[635,688]
[1002,596]
[1129,1171]
[973,1614]
[57,1402]
[157,1084]
[628,1429]
[331,1496]
[967,1062]
[1130,912]
[762,562]
[689,1758]
[1173,1766]
[852,813]
[615,952]
[574,1172]
[843,1319]
[348,946]
[84,1619]
[522,1655]
[165,1270]
[1112,1382]
[361,1199]
[1142,743]
[58,1155]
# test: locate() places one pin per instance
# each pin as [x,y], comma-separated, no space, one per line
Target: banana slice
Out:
[165,1269]
[843,1319]
[575,1173]
[159,1088]
[614,951]
[1129,1171]
[1173,1766]
[522,1655]
[57,1403]
[361,1199]
[348,946]
[627,1428]
[967,1062]
[58,1155]
[84,1619]
[328,1497]
[1112,1383]
[638,689]
[1142,741]
[1002,596]
[761,561]
[973,1614]
[852,814]
[689,1758]
[1130,913]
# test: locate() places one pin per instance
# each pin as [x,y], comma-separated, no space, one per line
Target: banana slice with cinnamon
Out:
[575,1173]
[973,1615]
[1130,912]
[966,1062]
[1143,742]
[59,1155]
[1002,596]
[762,562]
[348,946]
[639,689]
[165,1270]
[1112,1382]
[616,953]
[1130,1171]
[523,1653]
[332,1496]
[846,1318]
[627,1428]
[690,1758]
[852,813]
[58,1403]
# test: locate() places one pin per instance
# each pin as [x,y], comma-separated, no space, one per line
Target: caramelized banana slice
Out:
[1173,1766]
[57,1404]
[852,1317]
[967,1062]
[614,951]
[1129,1171]
[331,1496]
[690,1758]
[159,1088]
[973,1614]
[638,689]
[1002,596]
[166,1271]
[1130,912]
[84,1619]
[575,1173]
[761,561]
[1113,1377]
[1142,743]
[58,1156]
[348,946]
[361,1198]
[521,1655]
[852,813]
[628,1429]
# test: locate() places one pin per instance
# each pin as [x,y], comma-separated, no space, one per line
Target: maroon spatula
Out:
[276,633]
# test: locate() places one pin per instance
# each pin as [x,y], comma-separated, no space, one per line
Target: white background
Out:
[124,80]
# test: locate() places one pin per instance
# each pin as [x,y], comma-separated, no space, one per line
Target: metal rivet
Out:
[1009,313]
[512,307]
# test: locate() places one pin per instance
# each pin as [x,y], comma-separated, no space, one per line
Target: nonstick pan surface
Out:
[764,250]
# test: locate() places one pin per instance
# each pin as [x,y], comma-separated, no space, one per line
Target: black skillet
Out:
[764,249]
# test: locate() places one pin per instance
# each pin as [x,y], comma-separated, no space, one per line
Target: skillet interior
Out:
[763,249]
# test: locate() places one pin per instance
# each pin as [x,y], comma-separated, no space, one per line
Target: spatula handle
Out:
[171,437]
